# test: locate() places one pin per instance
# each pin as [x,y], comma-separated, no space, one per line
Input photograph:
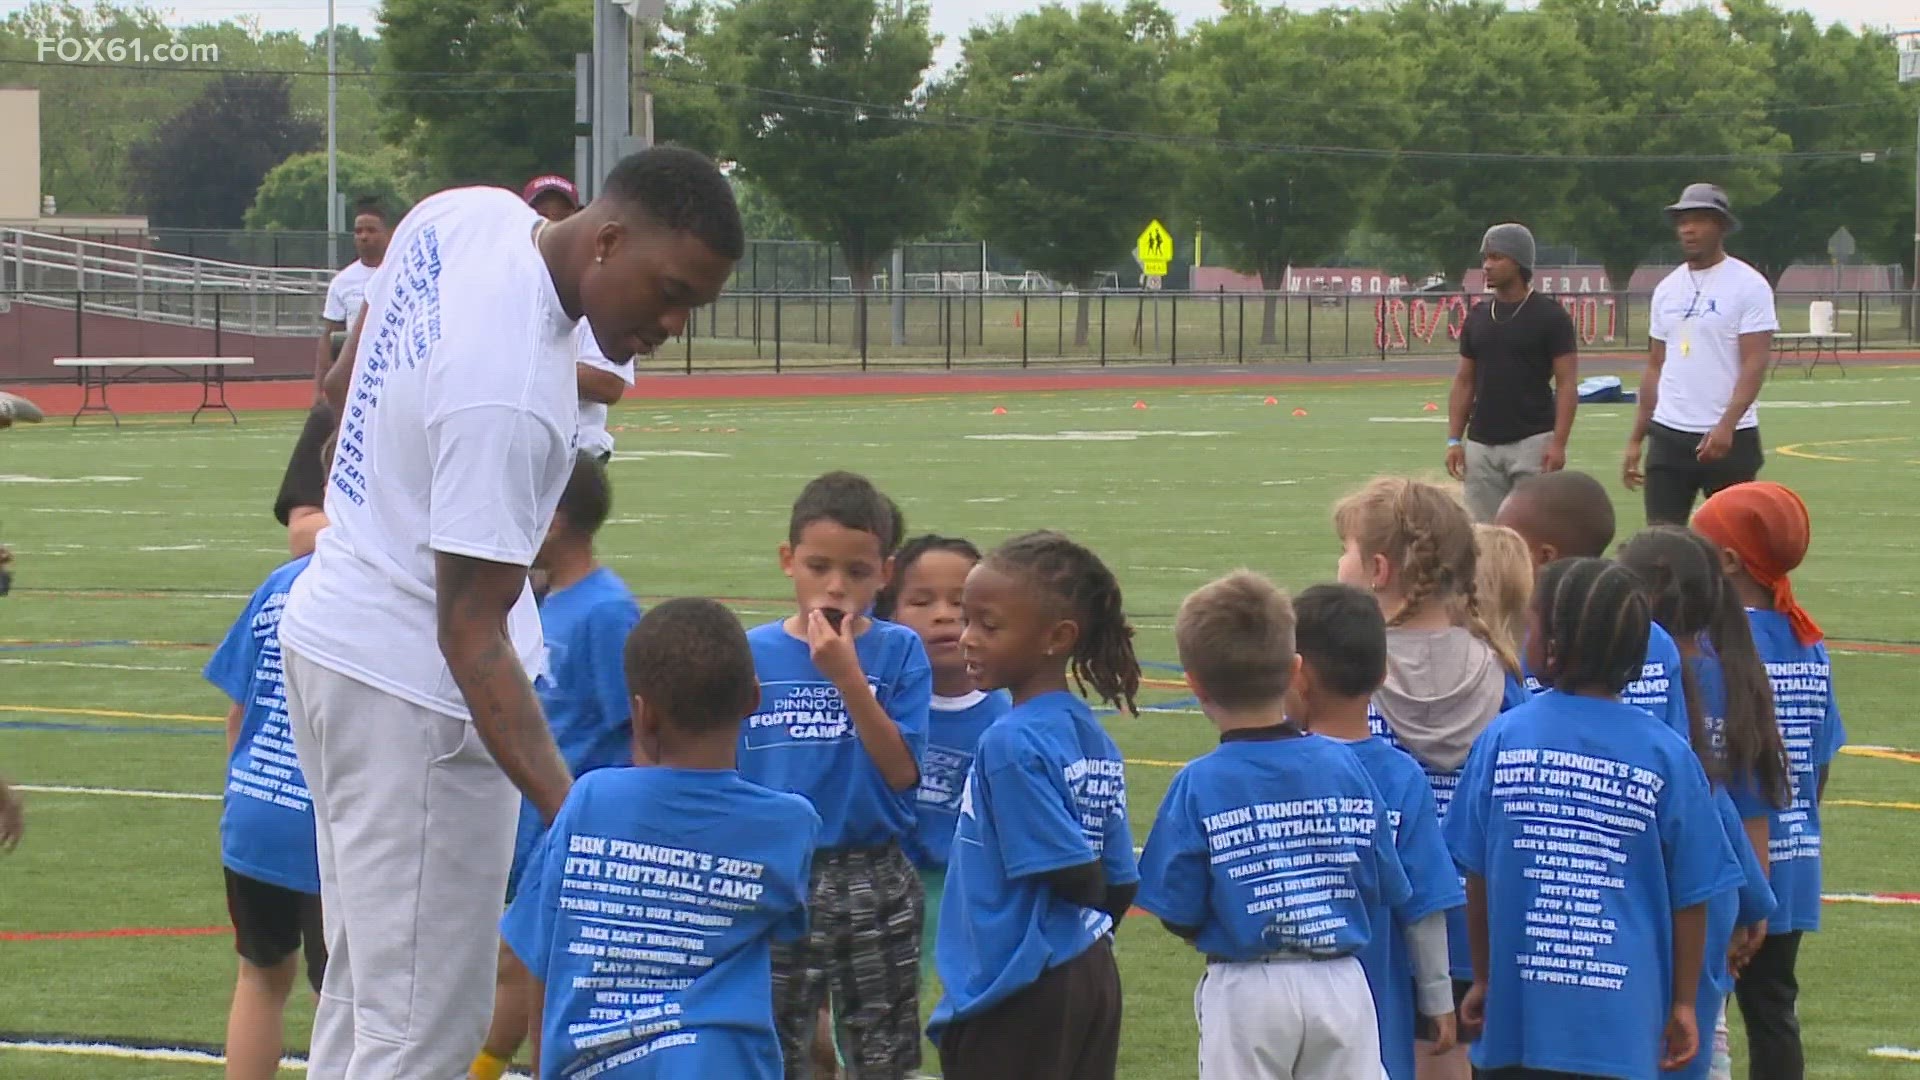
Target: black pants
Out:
[1066,1026]
[1675,475]
[271,923]
[1767,992]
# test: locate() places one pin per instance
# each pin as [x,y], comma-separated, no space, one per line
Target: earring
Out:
[599,258]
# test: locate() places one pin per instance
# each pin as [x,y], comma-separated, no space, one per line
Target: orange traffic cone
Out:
[1273,401]
[999,410]
[1299,412]
[1139,404]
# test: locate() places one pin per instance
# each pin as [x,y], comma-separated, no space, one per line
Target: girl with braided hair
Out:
[1042,864]
[1411,545]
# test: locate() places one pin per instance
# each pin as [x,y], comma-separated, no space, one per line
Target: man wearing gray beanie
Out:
[1511,407]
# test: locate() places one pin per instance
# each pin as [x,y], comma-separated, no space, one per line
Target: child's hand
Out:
[1444,1036]
[1682,1038]
[832,650]
[1473,1011]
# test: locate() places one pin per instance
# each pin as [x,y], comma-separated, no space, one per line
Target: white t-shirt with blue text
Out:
[648,912]
[457,437]
[954,727]
[1593,823]
[266,814]
[1700,315]
[802,740]
[1048,791]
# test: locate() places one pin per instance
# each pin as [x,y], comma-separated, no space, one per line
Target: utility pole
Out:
[897,275]
[1908,42]
[334,224]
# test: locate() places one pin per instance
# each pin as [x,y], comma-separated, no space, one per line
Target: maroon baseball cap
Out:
[541,185]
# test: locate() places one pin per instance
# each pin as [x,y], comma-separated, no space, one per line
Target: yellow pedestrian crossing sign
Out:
[1155,249]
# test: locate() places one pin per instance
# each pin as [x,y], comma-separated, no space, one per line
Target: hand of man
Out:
[1457,462]
[1554,459]
[1630,473]
[1716,443]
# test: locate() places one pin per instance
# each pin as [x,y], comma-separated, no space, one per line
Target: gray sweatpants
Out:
[1287,1020]
[1492,471]
[415,824]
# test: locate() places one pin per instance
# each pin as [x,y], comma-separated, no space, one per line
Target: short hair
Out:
[1594,620]
[1570,508]
[689,659]
[373,204]
[1340,633]
[683,190]
[850,501]
[1235,637]
[587,498]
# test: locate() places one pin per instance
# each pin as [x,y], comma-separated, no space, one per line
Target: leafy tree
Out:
[1271,77]
[483,125]
[1067,204]
[294,193]
[686,110]
[829,129]
[201,167]
[1677,84]
[1485,81]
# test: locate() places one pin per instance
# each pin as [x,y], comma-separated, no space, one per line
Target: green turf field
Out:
[154,534]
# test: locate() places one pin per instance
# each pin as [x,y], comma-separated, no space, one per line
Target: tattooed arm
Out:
[474,597]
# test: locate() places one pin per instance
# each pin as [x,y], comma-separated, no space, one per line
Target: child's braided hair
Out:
[1076,578]
[1427,535]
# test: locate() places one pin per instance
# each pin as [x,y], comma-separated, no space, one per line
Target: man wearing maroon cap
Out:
[552,197]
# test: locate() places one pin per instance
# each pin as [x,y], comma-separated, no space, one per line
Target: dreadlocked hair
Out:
[1075,578]
[1690,596]
[1594,621]
[887,601]
[1427,536]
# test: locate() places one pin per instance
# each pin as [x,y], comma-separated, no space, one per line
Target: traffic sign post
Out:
[1155,250]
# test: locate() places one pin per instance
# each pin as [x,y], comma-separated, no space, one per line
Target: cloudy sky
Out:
[951,18]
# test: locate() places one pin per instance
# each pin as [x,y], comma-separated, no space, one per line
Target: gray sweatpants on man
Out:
[415,824]
[1492,471]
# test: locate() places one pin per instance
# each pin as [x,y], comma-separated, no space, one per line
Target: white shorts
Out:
[415,824]
[1287,1020]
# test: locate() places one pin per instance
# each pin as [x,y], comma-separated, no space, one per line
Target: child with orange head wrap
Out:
[1763,531]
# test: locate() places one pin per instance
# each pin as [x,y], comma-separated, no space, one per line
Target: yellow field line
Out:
[108,714]
[1882,754]
[1870,805]
[1794,449]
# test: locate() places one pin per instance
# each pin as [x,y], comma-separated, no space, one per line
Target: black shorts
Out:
[1676,476]
[305,483]
[271,923]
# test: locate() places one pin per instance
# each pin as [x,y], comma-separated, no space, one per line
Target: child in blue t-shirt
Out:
[1763,531]
[1342,641]
[1736,739]
[843,722]
[1569,515]
[586,614]
[268,848]
[1042,864]
[1275,855]
[1598,824]
[648,910]
[925,595]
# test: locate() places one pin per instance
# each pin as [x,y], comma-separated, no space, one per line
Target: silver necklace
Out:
[1493,311]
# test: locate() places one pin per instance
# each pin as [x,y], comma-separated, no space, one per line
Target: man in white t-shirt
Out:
[410,641]
[1710,330]
[372,231]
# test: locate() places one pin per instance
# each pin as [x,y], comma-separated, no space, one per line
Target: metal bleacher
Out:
[49,270]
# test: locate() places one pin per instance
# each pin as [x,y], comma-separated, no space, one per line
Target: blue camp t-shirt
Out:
[648,911]
[1595,823]
[1658,689]
[1744,906]
[954,727]
[1443,782]
[1273,845]
[1435,886]
[802,740]
[1048,791]
[584,691]
[1810,726]
[266,816]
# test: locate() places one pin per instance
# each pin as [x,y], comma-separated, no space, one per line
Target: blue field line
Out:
[1183,704]
[108,729]
[46,646]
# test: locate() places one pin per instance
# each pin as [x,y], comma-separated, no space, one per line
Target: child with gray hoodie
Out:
[1411,545]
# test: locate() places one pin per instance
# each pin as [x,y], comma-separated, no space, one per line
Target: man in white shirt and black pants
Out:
[410,641]
[1710,330]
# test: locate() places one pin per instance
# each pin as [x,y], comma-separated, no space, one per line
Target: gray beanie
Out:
[1511,240]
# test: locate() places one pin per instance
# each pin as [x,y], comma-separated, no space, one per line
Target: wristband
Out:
[1453,442]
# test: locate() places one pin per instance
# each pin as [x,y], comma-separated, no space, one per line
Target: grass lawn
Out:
[136,547]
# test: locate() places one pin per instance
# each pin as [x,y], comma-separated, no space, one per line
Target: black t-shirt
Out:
[1513,366]
[304,484]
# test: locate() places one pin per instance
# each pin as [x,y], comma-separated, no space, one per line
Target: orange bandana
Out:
[1768,527]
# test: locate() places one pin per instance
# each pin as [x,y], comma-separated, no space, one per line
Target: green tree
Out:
[294,193]
[822,115]
[1482,81]
[686,110]
[1065,203]
[201,168]
[1674,84]
[1832,90]
[1271,77]
[507,114]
